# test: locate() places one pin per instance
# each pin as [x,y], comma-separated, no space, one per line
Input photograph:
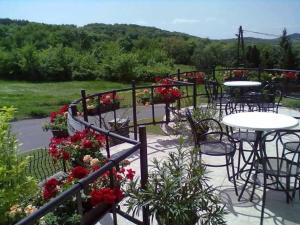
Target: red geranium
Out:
[130,174]
[50,188]
[104,195]
[87,143]
[79,172]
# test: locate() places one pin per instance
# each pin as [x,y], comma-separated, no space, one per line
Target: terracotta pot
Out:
[60,133]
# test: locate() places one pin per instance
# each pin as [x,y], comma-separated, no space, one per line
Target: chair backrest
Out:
[213,90]
[276,153]
[270,98]
[202,127]
[244,105]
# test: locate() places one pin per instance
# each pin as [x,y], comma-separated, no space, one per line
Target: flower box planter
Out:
[60,133]
[102,108]
[162,101]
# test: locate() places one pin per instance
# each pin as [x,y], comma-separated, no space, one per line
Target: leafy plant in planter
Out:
[203,113]
[177,192]
[58,122]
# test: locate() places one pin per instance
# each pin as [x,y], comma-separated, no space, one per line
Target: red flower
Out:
[53,115]
[105,195]
[53,151]
[65,155]
[76,137]
[87,143]
[101,139]
[50,189]
[157,79]
[79,172]
[130,174]
[63,109]
[118,193]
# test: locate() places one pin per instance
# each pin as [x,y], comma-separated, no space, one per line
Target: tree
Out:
[288,58]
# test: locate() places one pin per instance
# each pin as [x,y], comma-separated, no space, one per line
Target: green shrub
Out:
[15,186]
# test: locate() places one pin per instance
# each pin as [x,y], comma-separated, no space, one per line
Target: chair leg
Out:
[227,169]
[233,176]
[254,186]
[239,158]
[245,185]
[263,201]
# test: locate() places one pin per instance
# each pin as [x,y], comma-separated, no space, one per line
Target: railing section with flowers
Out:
[96,181]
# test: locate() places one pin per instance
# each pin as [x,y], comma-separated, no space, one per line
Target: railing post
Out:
[84,107]
[195,93]
[144,169]
[73,110]
[214,72]
[178,101]
[134,110]
[167,109]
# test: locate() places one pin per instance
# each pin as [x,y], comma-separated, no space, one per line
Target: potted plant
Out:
[165,94]
[177,192]
[203,113]
[58,122]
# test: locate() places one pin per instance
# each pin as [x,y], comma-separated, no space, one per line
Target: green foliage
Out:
[15,185]
[177,192]
[287,55]
[41,52]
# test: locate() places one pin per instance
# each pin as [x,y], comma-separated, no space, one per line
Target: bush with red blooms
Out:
[290,76]
[108,188]
[58,120]
[75,147]
[195,76]
[104,100]
[166,93]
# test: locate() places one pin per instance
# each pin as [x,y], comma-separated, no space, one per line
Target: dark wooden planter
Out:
[93,215]
[103,108]
[60,133]
[163,101]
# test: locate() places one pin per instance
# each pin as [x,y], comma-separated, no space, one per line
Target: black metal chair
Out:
[279,171]
[210,139]
[242,135]
[268,98]
[215,95]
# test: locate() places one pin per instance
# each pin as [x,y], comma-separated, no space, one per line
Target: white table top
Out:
[242,83]
[260,121]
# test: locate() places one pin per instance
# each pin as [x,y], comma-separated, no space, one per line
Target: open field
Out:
[38,99]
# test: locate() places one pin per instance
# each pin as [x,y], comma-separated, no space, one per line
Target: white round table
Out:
[242,83]
[260,121]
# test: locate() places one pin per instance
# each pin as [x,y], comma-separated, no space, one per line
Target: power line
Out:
[266,34]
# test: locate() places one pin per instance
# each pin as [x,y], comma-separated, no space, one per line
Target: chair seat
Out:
[216,148]
[292,146]
[244,136]
[278,167]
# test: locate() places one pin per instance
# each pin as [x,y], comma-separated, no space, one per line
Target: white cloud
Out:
[182,20]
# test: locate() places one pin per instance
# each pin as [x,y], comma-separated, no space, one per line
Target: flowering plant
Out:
[289,76]
[163,94]
[58,119]
[103,100]
[82,143]
[198,76]
[238,74]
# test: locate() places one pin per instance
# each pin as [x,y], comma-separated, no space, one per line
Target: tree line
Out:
[119,52]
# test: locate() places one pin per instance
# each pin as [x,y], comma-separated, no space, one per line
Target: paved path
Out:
[31,135]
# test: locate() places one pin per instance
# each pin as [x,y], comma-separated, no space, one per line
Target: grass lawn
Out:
[38,99]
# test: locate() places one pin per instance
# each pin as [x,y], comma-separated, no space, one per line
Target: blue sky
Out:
[212,18]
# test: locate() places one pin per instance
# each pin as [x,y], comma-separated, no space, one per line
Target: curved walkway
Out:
[30,134]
